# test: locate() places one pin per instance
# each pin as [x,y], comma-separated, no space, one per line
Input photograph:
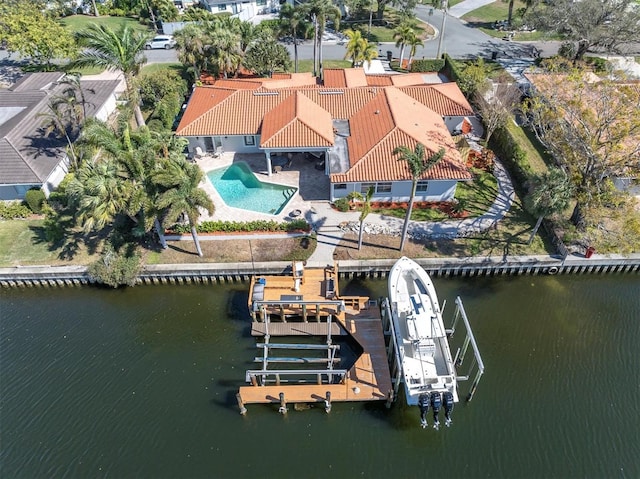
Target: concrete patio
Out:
[313,186]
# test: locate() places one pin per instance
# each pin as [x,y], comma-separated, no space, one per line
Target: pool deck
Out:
[313,185]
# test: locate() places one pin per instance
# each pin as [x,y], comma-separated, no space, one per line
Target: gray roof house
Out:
[29,156]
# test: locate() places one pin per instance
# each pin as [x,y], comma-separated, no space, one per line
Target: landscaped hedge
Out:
[426,65]
[514,158]
[244,226]
[451,68]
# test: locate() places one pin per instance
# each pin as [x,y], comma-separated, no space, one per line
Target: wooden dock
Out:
[285,307]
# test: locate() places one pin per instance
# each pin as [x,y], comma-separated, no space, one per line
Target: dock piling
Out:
[243,410]
[283,405]
[327,402]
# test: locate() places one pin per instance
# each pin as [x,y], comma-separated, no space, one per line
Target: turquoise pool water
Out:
[239,187]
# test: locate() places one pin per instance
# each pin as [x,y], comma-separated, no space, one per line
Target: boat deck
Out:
[368,379]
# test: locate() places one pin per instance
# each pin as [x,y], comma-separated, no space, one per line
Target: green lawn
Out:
[156,67]
[536,155]
[76,23]
[307,65]
[22,242]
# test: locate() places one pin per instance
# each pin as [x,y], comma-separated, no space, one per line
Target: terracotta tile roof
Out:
[344,77]
[390,120]
[217,111]
[238,83]
[380,119]
[444,98]
[408,79]
[379,80]
[297,121]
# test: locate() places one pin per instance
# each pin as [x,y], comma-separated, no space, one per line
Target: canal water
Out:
[141,383]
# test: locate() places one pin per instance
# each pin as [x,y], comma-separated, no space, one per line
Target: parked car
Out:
[161,41]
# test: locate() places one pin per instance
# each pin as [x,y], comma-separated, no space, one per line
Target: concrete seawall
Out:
[54,276]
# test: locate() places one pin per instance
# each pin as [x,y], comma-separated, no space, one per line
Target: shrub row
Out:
[13,210]
[244,226]
[451,68]
[512,155]
[426,65]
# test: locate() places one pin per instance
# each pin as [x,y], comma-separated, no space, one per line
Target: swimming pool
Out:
[239,187]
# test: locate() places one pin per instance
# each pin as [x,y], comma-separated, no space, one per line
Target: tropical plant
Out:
[191,44]
[319,12]
[181,194]
[414,42]
[116,268]
[366,209]
[292,22]
[549,193]
[358,48]
[120,49]
[404,34]
[418,165]
[60,117]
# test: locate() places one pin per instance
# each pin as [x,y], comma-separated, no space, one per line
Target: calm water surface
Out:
[140,383]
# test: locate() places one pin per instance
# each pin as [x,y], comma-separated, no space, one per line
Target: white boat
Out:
[428,370]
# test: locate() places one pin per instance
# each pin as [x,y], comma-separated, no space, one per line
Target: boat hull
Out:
[419,333]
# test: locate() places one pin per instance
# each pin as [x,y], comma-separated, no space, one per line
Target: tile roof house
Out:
[350,126]
[29,157]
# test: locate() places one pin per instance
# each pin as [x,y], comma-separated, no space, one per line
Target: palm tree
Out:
[292,22]
[319,11]
[225,51]
[191,47]
[549,193]
[120,49]
[100,193]
[366,209]
[418,166]
[414,43]
[358,48]
[403,34]
[181,194]
[63,116]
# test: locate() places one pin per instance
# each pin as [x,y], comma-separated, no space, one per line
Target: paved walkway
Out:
[467,6]
[327,221]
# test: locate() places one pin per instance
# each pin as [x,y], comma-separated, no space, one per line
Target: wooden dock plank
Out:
[368,380]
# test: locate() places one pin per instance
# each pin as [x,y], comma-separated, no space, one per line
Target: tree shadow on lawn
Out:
[70,244]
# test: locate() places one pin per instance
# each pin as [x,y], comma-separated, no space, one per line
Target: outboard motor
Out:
[423,405]
[436,402]
[448,407]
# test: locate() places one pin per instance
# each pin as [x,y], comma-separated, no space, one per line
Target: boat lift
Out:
[329,375]
[393,354]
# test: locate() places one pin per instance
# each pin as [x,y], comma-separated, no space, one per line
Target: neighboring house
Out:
[29,156]
[352,130]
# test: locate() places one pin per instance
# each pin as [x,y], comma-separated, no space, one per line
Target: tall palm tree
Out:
[418,165]
[403,35]
[319,11]
[549,193]
[120,49]
[366,209]
[414,43]
[292,22]
[225,51]
[62,116]
[191,44]
[358,48]
[182,195]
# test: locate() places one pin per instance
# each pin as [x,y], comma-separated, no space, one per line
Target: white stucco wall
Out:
[441,190]
[56,176]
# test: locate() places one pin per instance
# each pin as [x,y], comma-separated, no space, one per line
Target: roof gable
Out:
[295,121]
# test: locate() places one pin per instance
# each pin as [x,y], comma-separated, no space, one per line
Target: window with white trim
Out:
[422,186]
[384,187]
[364,187]
[339,186]
[249,140]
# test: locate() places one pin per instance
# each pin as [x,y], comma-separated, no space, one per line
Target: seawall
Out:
[55,276]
